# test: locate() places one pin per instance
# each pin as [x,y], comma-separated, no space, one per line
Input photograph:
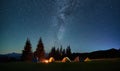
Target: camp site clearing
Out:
[93,65]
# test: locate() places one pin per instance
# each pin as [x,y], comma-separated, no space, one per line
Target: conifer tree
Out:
[27,52]
[61,50]
[40,53]
[68,51]
[52,52]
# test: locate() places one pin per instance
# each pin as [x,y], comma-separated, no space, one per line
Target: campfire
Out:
[45,61]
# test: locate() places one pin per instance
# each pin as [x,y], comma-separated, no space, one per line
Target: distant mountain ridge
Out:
[14,55]
[10,57]
[110,53]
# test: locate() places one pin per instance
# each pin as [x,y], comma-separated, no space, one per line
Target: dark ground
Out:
[98,65]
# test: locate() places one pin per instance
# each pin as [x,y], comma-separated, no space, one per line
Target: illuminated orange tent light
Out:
[45,61]
[51,59]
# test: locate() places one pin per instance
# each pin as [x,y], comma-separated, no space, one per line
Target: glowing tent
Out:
[87,59]
[51,59]
[76,59]
[66,59]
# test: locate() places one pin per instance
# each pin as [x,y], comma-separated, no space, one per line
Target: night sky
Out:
[85,25]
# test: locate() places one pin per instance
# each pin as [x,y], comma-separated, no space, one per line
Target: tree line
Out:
[39,53]
[59,53]
[28,55]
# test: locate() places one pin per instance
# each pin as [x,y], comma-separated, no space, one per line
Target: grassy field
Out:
[103,65]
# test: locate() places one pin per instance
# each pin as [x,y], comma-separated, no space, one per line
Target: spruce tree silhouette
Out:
[59,53]
[68,51]
[63,53]
[52,52]
[27,52]
[40,53]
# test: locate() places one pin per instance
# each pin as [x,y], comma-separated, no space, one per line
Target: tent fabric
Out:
[66,59]
[87,59]
[51,59]
[77,59]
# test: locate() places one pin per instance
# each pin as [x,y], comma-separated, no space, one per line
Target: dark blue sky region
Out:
[85,25]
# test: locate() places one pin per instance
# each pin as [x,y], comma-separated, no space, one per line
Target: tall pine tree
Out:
[68,51]
[27,52]
[40,53]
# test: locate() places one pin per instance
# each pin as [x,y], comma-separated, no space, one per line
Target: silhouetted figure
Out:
[35,59]
[40,53]
[27,52]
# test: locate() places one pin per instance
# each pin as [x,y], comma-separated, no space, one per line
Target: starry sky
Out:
[85,25]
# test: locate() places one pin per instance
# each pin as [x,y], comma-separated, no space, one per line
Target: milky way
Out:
[64,9]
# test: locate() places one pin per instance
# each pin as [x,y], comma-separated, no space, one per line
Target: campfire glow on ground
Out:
[45,61]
